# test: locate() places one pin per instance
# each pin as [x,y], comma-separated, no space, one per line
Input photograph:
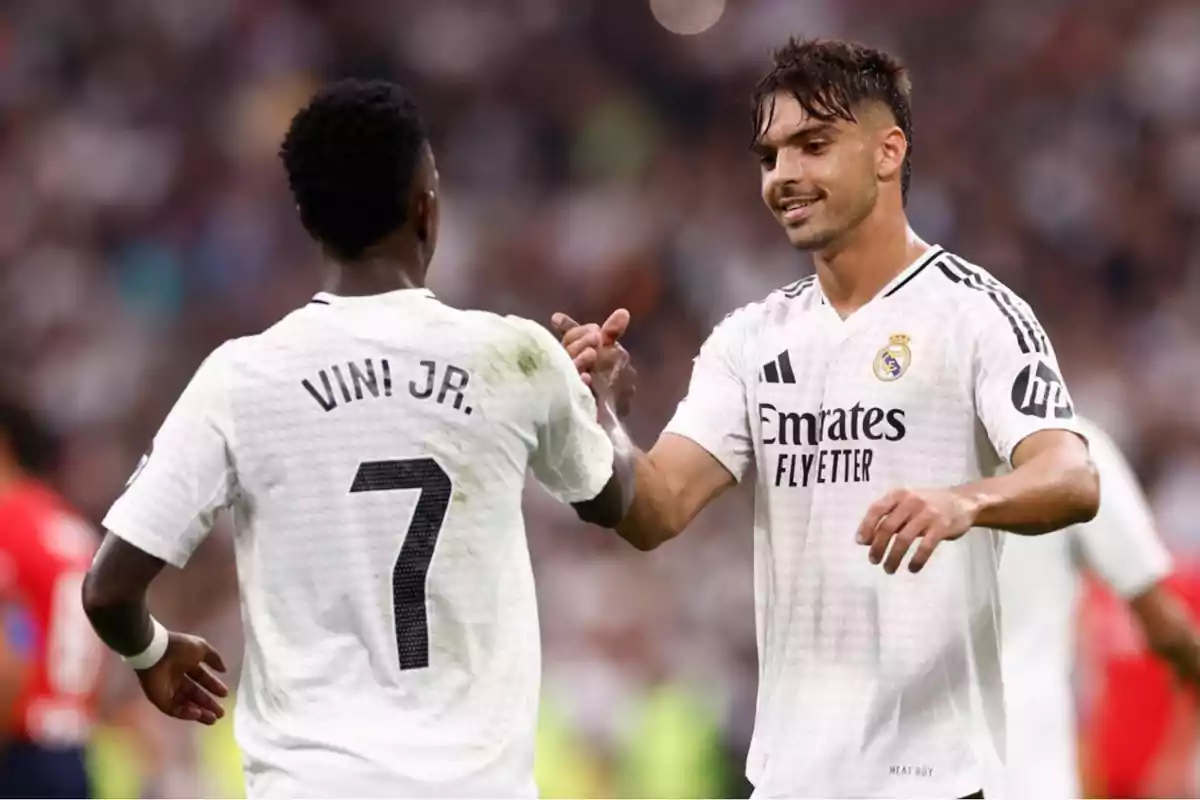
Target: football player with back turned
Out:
[373,446]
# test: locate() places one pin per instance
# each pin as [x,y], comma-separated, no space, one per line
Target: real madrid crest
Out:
[893,359]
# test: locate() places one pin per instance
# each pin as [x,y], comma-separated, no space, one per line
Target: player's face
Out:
[818,178]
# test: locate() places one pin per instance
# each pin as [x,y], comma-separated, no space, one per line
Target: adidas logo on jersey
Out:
[779,369]
[1038,391]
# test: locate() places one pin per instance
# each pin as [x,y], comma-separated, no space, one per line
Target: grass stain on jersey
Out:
[466,483]
[505,362]
[529,361]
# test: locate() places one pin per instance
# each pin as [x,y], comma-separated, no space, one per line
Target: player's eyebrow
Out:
[799,135]
[811,129]
[760,149]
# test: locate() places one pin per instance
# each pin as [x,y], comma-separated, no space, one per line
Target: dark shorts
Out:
[30,770]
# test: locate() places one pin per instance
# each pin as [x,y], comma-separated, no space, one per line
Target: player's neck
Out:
[373,276]
[853,270]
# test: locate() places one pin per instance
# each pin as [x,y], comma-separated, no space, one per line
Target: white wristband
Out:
[154,651]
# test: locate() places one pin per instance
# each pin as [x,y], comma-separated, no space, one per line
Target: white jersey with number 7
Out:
[374,451]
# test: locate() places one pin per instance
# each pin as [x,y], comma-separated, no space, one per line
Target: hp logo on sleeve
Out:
[1039,392]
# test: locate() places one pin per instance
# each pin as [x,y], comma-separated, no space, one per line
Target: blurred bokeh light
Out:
[687,17]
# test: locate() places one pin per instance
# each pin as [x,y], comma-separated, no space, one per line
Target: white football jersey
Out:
[374,451]
[873,685]
[1040,582]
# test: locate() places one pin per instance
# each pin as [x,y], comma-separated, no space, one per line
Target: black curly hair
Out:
[829,78]
[351,156]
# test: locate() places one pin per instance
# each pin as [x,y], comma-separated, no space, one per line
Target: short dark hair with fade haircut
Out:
[351,156]
[829,78]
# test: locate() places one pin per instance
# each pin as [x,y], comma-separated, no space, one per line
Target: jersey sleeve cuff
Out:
[1068,425]
[596,480]
[1154,573]
[144,541]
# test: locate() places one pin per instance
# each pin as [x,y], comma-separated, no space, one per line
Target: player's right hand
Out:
[596,350]
[182,684]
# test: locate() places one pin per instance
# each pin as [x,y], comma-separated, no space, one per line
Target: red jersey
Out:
[45,551]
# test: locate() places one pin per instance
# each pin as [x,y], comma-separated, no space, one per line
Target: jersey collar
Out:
[385,299]
[907,274]
[912,270]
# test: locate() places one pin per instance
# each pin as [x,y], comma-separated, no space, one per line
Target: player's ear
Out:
[422,214]
[423,209]
[425,219]
[889,156]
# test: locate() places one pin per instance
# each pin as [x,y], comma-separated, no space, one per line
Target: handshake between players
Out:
[374,446]
[899,517]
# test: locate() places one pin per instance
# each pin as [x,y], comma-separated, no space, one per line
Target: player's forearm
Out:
[643,520]
[1049,491]
[114,595]
[674,481]
[609,507]
[657,513]
[1183,655]
[122,624]
[1169,632]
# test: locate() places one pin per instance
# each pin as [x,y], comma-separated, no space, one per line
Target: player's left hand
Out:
[183,683]
[902,516]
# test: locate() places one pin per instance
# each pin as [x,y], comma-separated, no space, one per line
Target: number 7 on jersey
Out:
[416,554]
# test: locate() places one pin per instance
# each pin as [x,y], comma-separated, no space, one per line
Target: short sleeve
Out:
[714,413]
[1120,543]
[187,476]
[1018,386]
[574,456]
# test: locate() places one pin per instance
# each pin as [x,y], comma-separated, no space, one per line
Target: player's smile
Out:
[796,210]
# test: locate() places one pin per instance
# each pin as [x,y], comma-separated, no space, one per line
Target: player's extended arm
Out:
[1169,631]
[651,497]
[672,482]
[1053,484]
[609,507]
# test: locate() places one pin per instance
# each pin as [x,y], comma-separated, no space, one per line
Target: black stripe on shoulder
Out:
[966,280]
[1037,337]
[797,288]
[318,302]
[933,255]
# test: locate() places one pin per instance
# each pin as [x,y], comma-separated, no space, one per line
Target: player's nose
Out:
[780,191]
[784,183]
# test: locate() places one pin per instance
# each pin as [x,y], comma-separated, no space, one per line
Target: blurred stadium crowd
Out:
[590,159]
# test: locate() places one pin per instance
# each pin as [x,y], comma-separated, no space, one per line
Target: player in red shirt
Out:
[1139,737]
[45,551]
